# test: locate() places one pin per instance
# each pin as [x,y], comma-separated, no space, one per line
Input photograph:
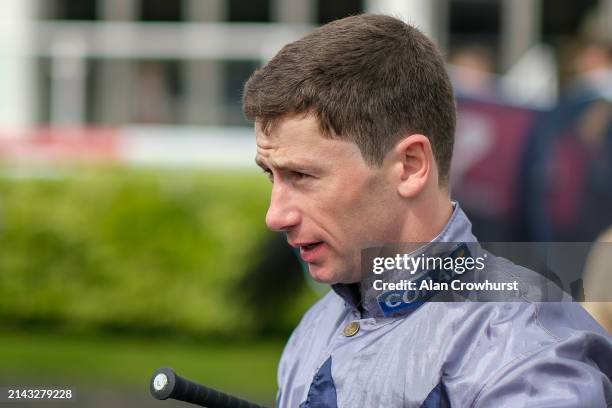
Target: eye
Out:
[297,175]
[268,174]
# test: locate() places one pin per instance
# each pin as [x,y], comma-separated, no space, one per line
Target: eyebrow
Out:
[289,165]
[259,162]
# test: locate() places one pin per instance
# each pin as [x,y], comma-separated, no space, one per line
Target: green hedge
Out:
[133,250]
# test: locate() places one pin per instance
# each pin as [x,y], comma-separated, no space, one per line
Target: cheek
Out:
[354,211]
[346,206]
[367,198]
[374,210]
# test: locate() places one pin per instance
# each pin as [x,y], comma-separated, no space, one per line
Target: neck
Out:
[428,214]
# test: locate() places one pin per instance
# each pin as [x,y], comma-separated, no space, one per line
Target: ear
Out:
[414,158]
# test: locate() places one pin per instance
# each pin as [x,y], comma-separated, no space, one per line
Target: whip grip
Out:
[166,384]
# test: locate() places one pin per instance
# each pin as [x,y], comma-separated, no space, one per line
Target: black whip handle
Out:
[166,384]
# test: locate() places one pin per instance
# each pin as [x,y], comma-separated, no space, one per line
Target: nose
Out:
[282,215]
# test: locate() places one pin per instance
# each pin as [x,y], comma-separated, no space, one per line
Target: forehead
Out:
[289,131]
[299,138]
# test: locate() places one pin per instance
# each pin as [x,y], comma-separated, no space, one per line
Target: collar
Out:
[362,296]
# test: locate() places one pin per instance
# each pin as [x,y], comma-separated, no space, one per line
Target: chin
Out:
[322,274]
[329,275]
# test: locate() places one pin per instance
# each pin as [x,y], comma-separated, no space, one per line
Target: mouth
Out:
[309,251]
[304,245]
[311,246]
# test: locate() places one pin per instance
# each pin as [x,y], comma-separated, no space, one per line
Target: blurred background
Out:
[132,215]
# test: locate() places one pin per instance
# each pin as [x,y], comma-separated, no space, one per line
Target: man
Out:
[354,127]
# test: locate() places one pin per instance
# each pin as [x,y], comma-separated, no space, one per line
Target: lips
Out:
[311,246]
[309,251]
[300,244]
[312,253]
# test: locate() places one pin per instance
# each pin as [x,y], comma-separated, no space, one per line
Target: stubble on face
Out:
[342,201]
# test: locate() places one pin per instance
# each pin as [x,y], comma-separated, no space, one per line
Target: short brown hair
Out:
[368,78]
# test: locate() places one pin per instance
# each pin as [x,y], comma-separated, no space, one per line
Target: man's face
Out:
[327,199]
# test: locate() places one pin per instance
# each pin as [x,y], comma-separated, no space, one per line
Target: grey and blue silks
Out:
[445,354]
